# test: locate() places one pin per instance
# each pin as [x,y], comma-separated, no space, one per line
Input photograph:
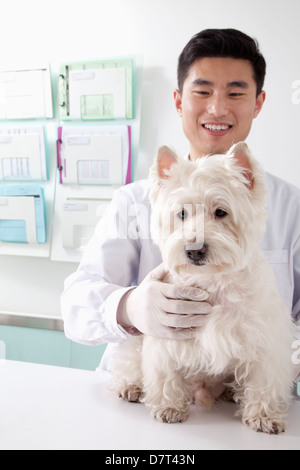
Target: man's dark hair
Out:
[222,43]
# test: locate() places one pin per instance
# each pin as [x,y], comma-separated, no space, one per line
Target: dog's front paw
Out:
[131,393]
[171,415]
[268,425]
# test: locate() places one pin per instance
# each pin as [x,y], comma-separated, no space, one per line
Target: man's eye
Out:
[182,214]
[220,213]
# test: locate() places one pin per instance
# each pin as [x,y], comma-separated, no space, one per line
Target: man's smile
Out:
[217,129]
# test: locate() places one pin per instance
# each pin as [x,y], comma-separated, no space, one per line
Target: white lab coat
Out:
[114,262]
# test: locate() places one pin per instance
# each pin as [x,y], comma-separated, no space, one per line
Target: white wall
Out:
[65,30]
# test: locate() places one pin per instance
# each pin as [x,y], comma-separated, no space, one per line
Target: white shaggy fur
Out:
[247,337]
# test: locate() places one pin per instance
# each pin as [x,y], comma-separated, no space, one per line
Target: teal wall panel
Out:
[47,347]
[86,357]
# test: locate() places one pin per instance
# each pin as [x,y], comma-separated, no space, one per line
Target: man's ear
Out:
[259,103]
[164,160]
[240,153]
[178,102]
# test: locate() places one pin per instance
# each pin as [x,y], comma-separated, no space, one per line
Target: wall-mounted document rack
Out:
[94,155]
[22,154]
[22,215]
[96,90]
[93,158]
[26,93]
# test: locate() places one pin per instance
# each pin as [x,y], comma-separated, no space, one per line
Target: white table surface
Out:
[45,407]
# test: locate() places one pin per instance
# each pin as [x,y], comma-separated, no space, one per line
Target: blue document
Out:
[22,214]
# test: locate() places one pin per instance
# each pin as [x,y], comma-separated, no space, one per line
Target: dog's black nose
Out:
[196,256]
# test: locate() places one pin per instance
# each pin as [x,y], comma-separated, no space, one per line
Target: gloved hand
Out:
[164,310]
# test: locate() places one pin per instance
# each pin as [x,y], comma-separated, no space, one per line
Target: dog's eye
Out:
[220,213]
[182,214]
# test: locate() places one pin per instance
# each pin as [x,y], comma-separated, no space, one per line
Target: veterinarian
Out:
[118,290]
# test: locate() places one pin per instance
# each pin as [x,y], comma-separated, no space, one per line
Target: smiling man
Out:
[118,290]
[217,104]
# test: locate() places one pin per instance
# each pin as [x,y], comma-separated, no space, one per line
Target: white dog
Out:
[208,218]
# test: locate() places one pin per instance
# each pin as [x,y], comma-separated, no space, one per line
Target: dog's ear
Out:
[240,153]
[164,160]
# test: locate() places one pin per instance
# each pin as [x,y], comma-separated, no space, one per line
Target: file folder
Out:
[96,90]
[22,214]
[22,154]
[93,155]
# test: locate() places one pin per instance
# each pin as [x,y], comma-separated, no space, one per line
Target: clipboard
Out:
[96,90]
[93,155]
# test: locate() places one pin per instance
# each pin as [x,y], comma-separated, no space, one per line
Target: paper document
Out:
[96,90]
[80,217]
[26,94]
[22,154]
[22,214]
[93,155]
[97,94]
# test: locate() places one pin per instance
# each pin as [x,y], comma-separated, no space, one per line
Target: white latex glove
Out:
[164,310]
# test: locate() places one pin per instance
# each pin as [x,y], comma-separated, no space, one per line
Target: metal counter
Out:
[28,321]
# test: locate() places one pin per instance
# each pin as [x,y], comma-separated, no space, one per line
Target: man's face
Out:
[217,104]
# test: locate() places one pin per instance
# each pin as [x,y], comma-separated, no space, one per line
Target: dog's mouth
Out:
[198,263]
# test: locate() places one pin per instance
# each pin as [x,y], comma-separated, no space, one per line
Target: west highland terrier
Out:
[208,219]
